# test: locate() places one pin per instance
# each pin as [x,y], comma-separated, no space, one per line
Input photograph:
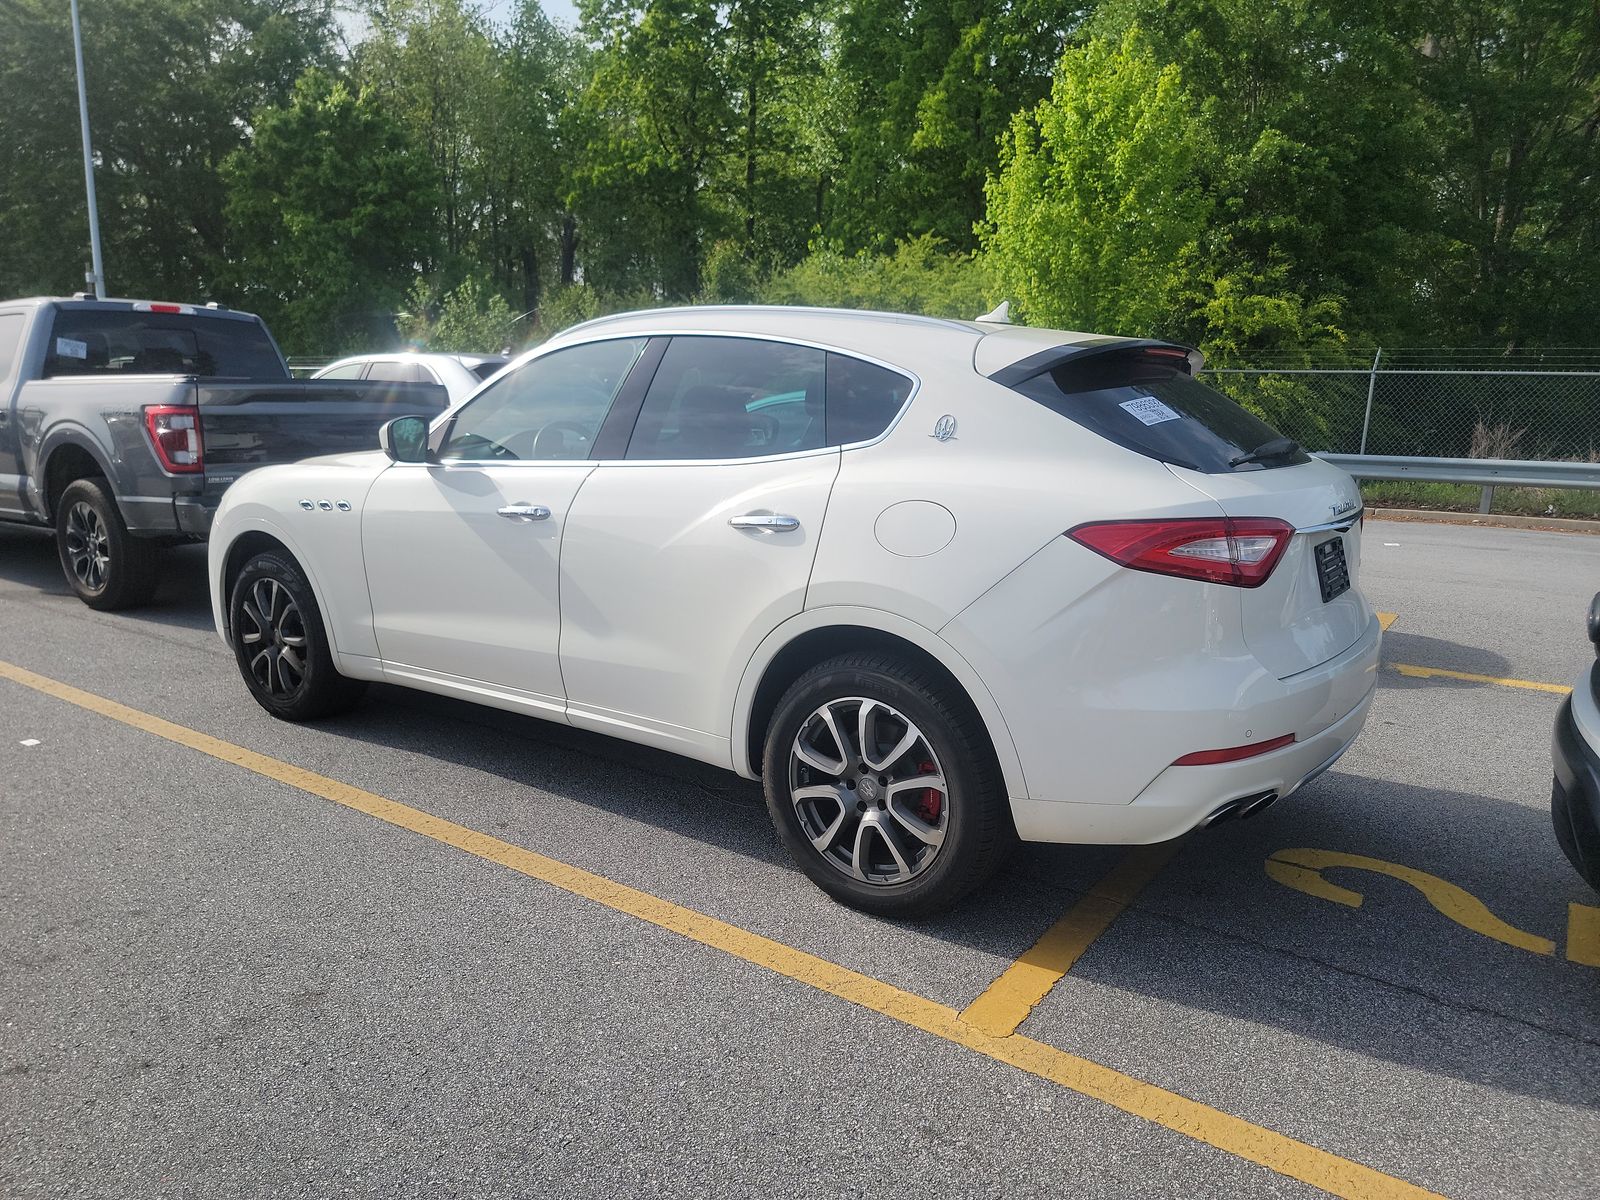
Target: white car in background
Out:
[461,374]
[937,584]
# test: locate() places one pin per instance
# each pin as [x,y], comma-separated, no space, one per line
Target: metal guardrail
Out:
[1488,473]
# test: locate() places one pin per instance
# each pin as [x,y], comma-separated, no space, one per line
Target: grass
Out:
[1463,497]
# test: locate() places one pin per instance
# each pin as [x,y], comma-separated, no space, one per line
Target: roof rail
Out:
[808,310]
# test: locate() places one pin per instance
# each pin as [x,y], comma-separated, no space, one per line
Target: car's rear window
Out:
[88,341]
[488,367]
[1146,401]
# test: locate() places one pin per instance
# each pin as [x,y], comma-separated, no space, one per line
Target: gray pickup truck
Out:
[123,421]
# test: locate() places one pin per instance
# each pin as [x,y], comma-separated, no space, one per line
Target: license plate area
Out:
[1333,574]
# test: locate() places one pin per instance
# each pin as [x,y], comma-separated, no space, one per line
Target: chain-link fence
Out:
[1441,406]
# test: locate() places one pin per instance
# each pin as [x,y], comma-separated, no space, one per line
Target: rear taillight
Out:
[1238,551]
[175,433]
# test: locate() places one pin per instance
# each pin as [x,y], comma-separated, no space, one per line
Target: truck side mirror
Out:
[405,439]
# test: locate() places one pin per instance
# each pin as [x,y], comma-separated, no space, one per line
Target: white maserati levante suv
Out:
[937,584]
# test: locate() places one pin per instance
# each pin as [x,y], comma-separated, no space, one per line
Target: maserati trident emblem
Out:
[944,429]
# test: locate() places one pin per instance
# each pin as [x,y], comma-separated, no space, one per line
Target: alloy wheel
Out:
[88,546]
[868,790]
[274,637]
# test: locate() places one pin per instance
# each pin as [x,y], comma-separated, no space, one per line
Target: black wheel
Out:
[281,646]
[884,787]
[105,565]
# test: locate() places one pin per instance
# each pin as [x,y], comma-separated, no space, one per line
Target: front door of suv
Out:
[681,556]
[463,553]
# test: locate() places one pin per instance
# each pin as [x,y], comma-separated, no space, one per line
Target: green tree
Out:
[471,319]
[657,119]
[172,85]
[1096,215]
[930,89]
[1321,168]
[330,212]
[1513,96]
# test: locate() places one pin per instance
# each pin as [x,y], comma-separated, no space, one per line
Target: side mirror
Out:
[1594,622]
[405,439]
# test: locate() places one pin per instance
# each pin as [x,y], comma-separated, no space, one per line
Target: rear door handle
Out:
[523,511]
[765,522]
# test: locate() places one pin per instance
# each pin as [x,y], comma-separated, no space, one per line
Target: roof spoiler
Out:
[1056,356]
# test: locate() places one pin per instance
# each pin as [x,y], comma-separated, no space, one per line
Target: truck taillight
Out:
[175,433]
[1238,551]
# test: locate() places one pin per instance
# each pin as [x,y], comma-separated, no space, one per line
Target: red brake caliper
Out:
[930,801]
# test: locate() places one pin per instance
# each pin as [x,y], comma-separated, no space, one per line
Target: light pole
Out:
[98,275]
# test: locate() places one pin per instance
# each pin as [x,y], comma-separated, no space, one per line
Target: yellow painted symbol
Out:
[1301,870]
[1387,619]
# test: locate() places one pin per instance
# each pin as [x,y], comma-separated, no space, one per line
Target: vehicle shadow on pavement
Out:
[28,558]
[698,801]
[1417,650]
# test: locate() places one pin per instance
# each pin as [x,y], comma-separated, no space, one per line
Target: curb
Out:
[1490,520]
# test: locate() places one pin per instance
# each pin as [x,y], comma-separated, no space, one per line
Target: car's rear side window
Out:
[347,371]
[1145,399]
[862,399]
[89,341]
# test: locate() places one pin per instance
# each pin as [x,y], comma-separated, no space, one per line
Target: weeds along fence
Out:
[1432,404]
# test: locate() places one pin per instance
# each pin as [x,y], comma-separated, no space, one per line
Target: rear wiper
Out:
[1278,447]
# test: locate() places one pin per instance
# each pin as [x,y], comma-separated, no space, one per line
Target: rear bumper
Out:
[1178,799]
[1575,789]
[194,514]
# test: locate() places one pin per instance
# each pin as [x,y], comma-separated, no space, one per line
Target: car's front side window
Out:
[550,408]
[727,397]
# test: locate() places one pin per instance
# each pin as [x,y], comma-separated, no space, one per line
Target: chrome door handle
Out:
[765,522]
[523,511]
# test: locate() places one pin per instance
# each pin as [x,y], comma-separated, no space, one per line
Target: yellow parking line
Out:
[1387,619]
[1583,935]
[1006,1003]
[1413,672]
[1294,1159]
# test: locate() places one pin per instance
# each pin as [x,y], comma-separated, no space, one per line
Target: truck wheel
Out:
[105,565]
[281,645]
[884,787]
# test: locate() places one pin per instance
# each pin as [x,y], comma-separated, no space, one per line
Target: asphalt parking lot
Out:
[429,949]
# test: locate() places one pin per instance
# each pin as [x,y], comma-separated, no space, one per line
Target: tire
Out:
[280,643]
[896,851]
[105,565]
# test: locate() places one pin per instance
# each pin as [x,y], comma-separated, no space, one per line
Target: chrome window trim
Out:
[675,332]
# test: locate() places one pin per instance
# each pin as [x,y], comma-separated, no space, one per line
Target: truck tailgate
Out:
[248,425]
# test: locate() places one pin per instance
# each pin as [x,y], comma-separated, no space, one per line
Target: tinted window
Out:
[395,370]
[485,369]
[87,341]
[862,399]
[348,371]
[1146,400]
[732,398]
[10,341]
[550,408]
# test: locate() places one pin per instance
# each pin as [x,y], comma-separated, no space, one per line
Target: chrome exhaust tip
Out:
[1221,814]
[1251,805]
